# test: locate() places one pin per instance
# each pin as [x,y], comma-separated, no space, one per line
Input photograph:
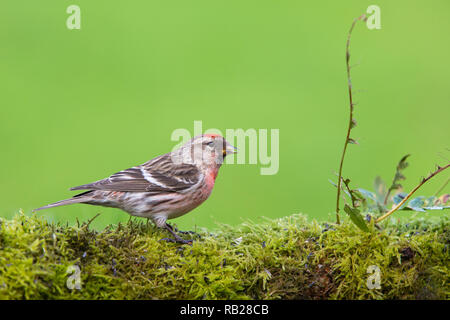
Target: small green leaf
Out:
[358,195]
[356,217]
[416,203]
[399,197]
[402,164]
[367,194]
[332,182]
[421,204]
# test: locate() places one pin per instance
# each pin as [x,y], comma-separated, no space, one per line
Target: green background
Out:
[79,105]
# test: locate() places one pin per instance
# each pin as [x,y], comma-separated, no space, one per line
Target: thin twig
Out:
[86,226]
[351,123]
[424,180]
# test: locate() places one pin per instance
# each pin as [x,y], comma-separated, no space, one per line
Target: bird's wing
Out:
[157,175]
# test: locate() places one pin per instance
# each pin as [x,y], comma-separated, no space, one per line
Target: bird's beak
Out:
[229,149]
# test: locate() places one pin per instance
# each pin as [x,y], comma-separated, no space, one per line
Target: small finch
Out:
[163,188]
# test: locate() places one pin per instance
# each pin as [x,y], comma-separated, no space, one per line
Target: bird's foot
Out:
[189,232]
[182,232]
[177,238]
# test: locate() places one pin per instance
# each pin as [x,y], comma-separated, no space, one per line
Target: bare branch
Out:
[422,182]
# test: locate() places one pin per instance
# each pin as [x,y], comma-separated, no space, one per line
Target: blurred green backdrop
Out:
[79,105]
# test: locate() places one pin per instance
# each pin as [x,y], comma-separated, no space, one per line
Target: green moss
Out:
[287,258]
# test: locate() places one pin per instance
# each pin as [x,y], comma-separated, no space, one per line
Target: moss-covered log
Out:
[288,258]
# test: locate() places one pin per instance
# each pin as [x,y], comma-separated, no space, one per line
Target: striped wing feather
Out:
[157,175]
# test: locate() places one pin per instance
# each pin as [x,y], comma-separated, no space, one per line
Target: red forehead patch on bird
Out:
[212,135]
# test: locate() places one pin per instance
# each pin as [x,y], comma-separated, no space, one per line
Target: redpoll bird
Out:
[165,187]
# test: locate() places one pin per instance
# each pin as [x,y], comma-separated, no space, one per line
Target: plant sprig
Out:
[352,122]
[402,164]
[362,200]
[422,182]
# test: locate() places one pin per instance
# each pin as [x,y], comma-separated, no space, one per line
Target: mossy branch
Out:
[422,182]
[287,258]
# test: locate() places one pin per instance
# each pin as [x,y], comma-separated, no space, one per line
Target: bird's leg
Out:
[177,239]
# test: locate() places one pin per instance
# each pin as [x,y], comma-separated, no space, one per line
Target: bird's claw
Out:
[188,232]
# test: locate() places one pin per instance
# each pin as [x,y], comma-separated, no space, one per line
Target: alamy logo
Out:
[257,142]
[374,280]
[74,20]
[373,17]
[74,281]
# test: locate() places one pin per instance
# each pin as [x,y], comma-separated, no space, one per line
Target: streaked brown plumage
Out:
[163,188]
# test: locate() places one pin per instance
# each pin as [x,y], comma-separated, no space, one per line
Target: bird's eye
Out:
[210,143]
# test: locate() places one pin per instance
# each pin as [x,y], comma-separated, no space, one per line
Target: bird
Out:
[162,188]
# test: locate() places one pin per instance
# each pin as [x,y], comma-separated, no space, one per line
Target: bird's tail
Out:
[80,198]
